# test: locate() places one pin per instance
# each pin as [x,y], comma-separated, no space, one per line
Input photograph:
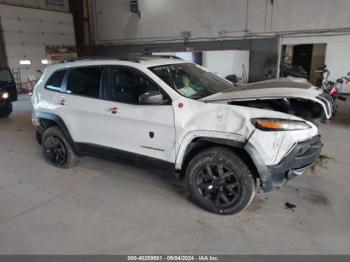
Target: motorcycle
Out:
[334,89]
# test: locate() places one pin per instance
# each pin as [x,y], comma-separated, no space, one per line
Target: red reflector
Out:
[181,105]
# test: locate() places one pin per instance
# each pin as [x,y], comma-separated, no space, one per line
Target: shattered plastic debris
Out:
[289,205]
[321,163]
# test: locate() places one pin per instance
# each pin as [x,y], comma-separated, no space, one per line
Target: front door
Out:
[129,126]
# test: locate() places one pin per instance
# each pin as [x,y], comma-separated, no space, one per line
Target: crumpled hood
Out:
[276,88]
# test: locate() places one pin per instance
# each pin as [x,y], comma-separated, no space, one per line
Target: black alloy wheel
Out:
[218,184]
[219,180]
[55,151]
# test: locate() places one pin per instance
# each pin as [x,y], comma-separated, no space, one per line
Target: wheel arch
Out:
[200,143]
[47,120]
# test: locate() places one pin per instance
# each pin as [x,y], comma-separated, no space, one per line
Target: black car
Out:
[8,92]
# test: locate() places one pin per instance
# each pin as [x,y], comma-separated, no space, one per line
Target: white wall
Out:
[337,52]
[165,20]
[226,63]
[291,15]
[59,5]
[27,31]
[162,19]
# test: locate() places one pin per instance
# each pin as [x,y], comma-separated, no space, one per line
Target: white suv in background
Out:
[159,111]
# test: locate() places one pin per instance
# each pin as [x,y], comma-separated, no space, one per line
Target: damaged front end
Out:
[306,109]
[282,95]
[301,157]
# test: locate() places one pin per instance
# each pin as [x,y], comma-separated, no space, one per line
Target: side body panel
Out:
[198,119]
[89,121]
[143,129]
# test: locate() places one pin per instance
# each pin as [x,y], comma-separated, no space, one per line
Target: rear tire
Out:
[57,151]
[6,110]
[219,181]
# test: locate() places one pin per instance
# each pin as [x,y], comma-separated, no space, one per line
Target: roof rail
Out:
[165,56]
[131,58]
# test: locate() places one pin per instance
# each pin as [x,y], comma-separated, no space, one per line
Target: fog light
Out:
[5,95]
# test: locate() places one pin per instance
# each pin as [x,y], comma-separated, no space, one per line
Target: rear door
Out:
[80,104]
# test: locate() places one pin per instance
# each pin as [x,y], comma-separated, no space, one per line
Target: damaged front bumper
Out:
[302,156]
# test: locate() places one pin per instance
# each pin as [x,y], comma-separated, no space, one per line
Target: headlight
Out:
[4,95]
[275,124]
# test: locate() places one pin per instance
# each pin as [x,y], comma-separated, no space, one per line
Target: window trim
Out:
[108,86]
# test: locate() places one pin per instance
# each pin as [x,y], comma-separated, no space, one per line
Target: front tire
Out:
[57,151]
[218,180]
[6,110]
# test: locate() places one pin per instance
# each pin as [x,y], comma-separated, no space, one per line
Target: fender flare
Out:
[229,139]
[61,125]
[262,170]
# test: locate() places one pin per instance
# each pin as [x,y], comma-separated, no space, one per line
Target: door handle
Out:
[61,102]
[113,110]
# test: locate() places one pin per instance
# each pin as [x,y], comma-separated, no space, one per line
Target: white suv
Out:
[158,111]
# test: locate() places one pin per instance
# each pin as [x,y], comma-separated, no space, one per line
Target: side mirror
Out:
[152,98]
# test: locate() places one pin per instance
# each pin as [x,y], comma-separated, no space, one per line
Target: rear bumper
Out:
[302,156]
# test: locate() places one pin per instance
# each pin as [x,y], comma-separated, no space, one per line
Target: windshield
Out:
[191,80]
[5,75]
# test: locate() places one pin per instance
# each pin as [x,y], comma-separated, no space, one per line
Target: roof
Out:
[130,58]
[134,60]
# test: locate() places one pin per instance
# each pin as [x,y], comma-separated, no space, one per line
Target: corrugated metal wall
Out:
[165,20]
[27,31]
[53,5]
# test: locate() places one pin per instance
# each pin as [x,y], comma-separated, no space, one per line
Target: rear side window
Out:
[55,80]
[85,81]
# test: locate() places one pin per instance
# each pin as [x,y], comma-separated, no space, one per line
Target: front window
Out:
[127,85]
[191,80]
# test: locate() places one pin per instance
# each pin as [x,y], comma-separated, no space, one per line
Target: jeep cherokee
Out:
[158,110]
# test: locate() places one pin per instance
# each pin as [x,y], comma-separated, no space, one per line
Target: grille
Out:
[328,101]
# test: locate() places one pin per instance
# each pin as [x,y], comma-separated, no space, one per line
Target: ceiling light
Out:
[25,62]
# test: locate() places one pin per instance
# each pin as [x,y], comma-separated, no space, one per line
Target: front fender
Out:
[210,136]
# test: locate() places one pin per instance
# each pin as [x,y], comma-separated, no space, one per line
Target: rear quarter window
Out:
[55,80]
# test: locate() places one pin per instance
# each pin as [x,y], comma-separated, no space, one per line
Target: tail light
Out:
[334,91]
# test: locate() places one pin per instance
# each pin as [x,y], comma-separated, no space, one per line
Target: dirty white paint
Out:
[174,126]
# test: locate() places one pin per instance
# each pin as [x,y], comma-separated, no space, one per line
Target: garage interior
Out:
[114,207]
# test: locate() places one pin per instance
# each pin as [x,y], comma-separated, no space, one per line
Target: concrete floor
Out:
[105,207]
